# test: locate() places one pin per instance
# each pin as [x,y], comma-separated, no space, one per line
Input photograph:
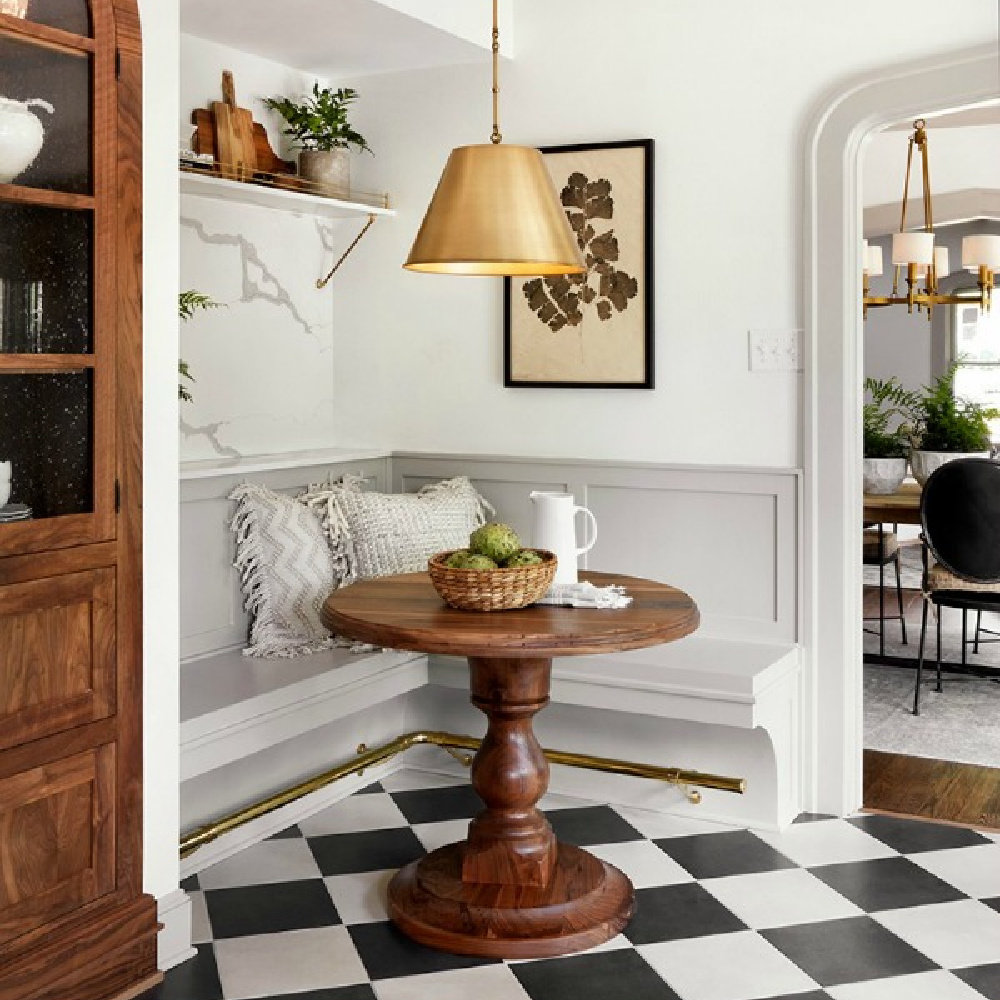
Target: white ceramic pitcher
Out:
[6,471]
[554,528]
[21,135]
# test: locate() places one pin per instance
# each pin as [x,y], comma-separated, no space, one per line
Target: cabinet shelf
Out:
[204,185]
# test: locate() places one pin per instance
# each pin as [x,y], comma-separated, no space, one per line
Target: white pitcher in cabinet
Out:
[6,472]
[554,528]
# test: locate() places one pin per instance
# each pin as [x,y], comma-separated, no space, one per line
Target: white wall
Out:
[160,501]
[726,89]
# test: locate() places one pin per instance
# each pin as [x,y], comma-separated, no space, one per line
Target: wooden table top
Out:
[405,612]
[901,507]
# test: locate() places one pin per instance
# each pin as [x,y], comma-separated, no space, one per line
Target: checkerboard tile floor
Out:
[869,908]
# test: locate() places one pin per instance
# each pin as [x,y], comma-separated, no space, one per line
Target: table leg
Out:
[511,890]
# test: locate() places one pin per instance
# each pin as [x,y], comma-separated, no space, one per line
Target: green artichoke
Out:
[496,541]
[524,557]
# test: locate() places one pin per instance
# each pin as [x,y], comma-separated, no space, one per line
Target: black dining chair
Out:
[881,548]
[960,515]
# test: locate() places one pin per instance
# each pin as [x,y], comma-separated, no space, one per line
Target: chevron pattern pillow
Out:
[286,572]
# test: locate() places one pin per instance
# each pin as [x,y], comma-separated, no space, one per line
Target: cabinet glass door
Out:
[68,15]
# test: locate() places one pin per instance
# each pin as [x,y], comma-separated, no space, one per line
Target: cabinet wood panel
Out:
[56,839]
[57,654]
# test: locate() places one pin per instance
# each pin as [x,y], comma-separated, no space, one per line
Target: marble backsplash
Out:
[263,363]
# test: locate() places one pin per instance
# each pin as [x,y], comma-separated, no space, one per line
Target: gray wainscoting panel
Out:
[211,606]
[727,536]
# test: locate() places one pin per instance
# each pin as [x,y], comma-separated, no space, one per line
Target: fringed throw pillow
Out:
[378,534]
[286,571]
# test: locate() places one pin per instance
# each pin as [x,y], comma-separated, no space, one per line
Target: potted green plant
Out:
[946,427]
[886,445]
[318,126]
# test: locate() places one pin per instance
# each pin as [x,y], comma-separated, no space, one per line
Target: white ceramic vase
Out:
[6,471]
[21,136]
[883,475]
[924,463]
[330,168]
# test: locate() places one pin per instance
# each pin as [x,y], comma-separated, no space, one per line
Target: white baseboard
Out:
[173,945]
[274,822]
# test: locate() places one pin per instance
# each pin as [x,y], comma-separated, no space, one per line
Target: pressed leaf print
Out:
[562,300]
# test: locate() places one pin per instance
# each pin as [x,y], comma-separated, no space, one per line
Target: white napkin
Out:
[586,595]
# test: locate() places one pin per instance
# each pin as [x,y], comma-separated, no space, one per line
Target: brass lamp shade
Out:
[495,211]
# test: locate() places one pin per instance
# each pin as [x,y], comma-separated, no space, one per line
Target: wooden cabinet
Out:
[74,924]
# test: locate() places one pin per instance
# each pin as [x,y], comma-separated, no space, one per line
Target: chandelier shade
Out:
[981,249]
[495,211]
[913,248]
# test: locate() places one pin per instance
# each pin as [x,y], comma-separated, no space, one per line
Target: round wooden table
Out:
[510,890]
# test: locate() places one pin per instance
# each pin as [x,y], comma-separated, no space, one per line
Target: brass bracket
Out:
[323,282]
[453,743]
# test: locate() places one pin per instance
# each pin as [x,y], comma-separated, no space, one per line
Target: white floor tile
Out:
[266,862]
[656,825]
[372,811]
[360,899]
[955,935]
[407,781]
[201,927]
[435,835]
[554,800]
[644,863]
[972,870]
[740,966]
[826,842]
[488,982]
[293,962]
[780,898]
[922,986]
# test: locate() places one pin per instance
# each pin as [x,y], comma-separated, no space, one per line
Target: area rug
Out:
[910,569]
[962,723]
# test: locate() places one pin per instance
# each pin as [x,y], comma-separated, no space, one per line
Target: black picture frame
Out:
[521,318]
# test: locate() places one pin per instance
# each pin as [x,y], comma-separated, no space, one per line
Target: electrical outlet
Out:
[775,350]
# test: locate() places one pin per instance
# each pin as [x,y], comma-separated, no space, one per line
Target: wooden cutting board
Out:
[267,161]
[233,134]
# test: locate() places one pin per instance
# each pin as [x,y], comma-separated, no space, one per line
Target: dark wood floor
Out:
[934,789]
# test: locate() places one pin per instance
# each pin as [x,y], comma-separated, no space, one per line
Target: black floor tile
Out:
[289,833]
[671,912]
[812,995]
[591,825]
[268,909]
[610,975]
[190,884]
[196,979]
[714,855]
[810,818]
[847,951]
[886,884]
[911,836]
[985,978]
[994,903]
[365,851]
[387,953]
[375,786]
[433,805]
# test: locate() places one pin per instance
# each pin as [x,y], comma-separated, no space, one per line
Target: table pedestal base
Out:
[585,903]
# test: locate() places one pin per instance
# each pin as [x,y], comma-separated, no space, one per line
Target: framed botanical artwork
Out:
[594,329]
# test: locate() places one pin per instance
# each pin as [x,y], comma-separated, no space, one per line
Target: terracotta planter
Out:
[924,463]
[883,475]
[329,168]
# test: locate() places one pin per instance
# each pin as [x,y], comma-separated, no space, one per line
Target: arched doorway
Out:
[831,592]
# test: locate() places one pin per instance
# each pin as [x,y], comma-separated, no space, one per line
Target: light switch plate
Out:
[775,350]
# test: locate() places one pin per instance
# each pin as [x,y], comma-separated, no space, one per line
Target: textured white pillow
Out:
[378,534]
[286,571]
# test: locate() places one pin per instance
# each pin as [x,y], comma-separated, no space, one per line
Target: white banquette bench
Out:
[725,700]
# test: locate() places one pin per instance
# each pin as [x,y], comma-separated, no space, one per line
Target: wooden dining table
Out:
[901,507]
[510,889]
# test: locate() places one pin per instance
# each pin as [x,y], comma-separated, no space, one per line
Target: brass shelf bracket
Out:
[453,744]
[323,282]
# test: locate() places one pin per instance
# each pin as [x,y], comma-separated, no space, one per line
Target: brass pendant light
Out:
[495,211]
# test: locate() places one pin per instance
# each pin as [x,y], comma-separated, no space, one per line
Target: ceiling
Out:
[985,114]
[336,39]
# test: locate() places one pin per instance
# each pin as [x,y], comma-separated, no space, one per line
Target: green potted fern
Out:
[884,430]
[946,427]
[318,126]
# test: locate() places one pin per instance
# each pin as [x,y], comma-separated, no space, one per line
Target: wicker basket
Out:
[491,589]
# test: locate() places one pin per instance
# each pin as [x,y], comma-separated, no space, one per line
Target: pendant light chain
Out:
[496,137]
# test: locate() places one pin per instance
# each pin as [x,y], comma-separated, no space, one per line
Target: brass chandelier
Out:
[923,262]
[495,211]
